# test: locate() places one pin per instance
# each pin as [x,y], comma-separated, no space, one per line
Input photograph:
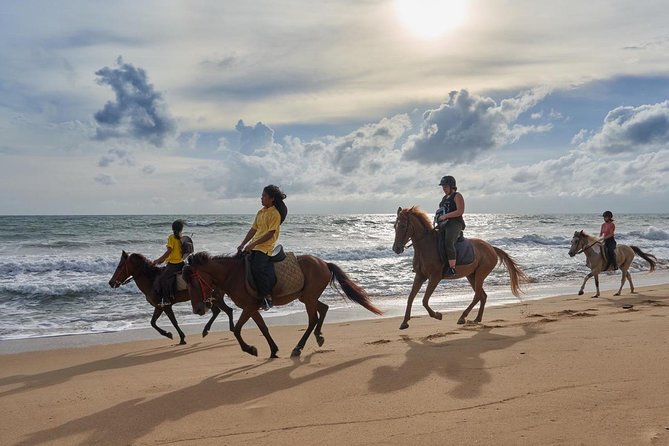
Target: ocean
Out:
[54,270]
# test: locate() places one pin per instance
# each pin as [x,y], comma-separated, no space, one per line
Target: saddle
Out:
[181,283]
[289,277]
[464,250]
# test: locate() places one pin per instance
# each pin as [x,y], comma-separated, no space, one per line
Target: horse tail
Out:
[650,258]
[515,273]
[351,289]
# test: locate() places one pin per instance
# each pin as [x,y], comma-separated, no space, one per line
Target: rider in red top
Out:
[606,234]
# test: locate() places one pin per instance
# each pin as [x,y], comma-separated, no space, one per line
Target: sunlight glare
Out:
[431,18]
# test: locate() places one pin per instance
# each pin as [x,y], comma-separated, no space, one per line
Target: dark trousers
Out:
[263,273]
[610,247]
[166,286]
[448,234]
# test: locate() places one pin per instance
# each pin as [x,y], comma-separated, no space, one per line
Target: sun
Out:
[431,18]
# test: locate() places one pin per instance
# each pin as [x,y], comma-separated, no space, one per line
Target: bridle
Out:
[406,236]
[586,247]
[204,284]
[124,269]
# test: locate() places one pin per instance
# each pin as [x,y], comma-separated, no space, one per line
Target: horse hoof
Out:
[183,342]
[296,352]
[253,351]
[594,297]
[617,294]
[580,293]
[437,315]
[461,321]
[273,356]
[320,340]
[169,335]
[404,326]
[205,333]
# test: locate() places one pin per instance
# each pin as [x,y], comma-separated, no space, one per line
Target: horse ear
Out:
[581,233]
[399,209]
[124,254]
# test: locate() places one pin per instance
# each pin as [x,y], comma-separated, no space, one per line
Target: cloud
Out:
[148,169]
[254,139]
[331,165]
[139,111]
[632,129]
[123,157]
[466,126]
[104,179]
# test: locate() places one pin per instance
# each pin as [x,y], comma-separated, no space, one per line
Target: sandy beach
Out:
[563,370]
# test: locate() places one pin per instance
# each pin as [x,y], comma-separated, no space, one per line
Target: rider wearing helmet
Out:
[450,221]
[606,234]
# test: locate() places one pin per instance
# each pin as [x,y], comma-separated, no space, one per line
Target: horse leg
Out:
[246,314]
[156,314]
[418,281]
[215,311]
[622,282]
[431,285]
[483,297]
[313,320]
[260,322]
[173,319]
[471,278]
[587,277]
[629,278]
[227,310]
[596,276]
[322,310]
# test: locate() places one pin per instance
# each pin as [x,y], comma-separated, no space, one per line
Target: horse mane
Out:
[203,257]
[420,215]
[587,236]
[146,268]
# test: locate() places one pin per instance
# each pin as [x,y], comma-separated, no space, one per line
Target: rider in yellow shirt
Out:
[261,239]
[166,283]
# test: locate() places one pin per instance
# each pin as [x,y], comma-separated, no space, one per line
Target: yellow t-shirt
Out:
[267,219]
[175,244]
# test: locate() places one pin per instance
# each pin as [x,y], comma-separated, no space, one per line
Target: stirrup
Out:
[266,303]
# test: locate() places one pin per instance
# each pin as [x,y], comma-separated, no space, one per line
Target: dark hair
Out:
[177,227]
[608,214]
[275,193]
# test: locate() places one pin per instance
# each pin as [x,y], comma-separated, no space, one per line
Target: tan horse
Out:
[590,245]
[413,224]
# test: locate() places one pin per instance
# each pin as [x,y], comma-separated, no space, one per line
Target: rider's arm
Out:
[248,237]
[268,235]
[162,258]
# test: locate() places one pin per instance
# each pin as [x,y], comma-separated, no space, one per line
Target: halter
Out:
[208,286]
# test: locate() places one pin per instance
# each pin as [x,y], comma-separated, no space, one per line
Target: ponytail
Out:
[177,227]
[278,197]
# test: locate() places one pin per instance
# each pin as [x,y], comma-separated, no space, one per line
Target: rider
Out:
[450,220]
[606,234]
[263,236]
[165,286]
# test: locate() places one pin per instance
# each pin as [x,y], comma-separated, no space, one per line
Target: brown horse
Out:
[413,224]
[144,273]
[227,273]
[590,245]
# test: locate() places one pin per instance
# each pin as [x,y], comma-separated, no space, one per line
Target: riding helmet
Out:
[608,214]
[447,180]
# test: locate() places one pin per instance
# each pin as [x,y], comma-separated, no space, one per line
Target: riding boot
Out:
[266,303]
[449,271]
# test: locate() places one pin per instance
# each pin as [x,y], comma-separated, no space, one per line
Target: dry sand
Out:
[564,370]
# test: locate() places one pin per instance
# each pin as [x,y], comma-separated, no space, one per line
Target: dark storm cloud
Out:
[138,112]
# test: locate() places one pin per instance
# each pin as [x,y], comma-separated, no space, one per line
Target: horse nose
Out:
[398,249]
[112,283]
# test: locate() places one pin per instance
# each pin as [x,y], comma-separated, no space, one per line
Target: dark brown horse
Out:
[227,273]
[144,273]
[413,224]
[592,248]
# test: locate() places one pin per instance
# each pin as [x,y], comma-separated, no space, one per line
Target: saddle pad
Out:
[464,251]
[181,283]
[289,277]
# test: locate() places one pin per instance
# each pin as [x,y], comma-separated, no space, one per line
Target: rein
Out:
[587,247]
[127,272]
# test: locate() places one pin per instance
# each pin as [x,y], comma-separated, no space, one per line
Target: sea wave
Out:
[26,265]
[651,233]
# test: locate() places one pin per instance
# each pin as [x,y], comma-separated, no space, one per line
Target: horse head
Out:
[199,283]
[122,273]
[578,242]
[406,227]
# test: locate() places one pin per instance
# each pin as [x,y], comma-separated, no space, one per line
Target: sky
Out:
[350,106]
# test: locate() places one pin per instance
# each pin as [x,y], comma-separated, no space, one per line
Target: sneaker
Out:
[266,303]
